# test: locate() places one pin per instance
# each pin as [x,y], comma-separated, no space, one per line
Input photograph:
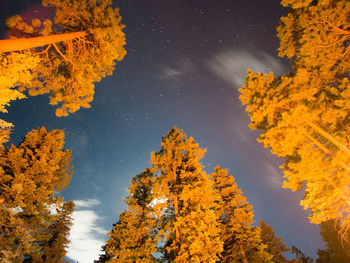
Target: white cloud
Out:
[86,236]
[179,68]
[86,203]
[232,65]
[274,176]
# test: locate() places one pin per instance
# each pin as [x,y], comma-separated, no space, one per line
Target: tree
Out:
[300,256]
[183,202]
[75,51]
[31,175]
[132,239]
[241,240]
[304,116]
[12,69]
[337,250]
[275,245]
[55,248]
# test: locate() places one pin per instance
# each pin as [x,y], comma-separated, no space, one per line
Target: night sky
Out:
[185,62]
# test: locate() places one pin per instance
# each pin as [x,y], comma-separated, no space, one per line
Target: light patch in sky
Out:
[274,177]
[232,65]
[86,236]
[175,72]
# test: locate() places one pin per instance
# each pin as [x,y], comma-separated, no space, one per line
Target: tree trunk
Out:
[176,212]
[8,45]
[244,257]
[329,137]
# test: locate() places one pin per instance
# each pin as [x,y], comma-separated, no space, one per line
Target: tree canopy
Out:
[174,210]
[304,115]
[63,57]
[31,176]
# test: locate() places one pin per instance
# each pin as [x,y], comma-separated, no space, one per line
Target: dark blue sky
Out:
[185,63]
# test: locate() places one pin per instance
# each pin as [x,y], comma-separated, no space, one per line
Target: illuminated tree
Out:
[31,175]
[304,116]
[183,202]
[55,248]
[242,241]
[132,238]
[12,69]
[275,245]
[75,51]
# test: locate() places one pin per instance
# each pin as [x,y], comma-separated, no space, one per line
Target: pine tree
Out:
[338,250]
[31,175]
[184,202]
[275,245]
[242,241]
[132,238]
[75,51]
[55,248]
[300,256]
[304,116]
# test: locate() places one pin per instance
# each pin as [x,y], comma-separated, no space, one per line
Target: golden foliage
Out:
[31,175]
[236,218]
[176,209]
[304,116]
[88,41]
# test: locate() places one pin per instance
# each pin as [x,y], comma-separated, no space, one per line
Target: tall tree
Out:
[31,175]
[300,256]
[338,250]
[55,248]
[304,116]
[132,239]
[75,51]
[242,241]
[184,201]
[275,245]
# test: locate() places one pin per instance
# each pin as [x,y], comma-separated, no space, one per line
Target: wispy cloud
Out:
[86,236]
[175,72]
[274,176]
[232,65]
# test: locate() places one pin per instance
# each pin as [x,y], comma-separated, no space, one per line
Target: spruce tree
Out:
[338,250]
[242,241]
[31,176]
[275,245]
[132,238]
[184,201]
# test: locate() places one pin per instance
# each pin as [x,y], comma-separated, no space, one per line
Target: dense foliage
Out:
[75,50]
[304,116]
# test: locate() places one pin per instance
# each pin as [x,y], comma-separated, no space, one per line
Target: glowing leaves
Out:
[304,116]
[31,175]
[186,217]
[241,239]
[79,49]
[132,238]
[175,209]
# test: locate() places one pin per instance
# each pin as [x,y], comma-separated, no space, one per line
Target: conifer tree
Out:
[304,116]
[337,250]
[31,175]
[55,248]
[184,201]
[242,241]
[77,49]
[275,245]
[132,239]
[300,256]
